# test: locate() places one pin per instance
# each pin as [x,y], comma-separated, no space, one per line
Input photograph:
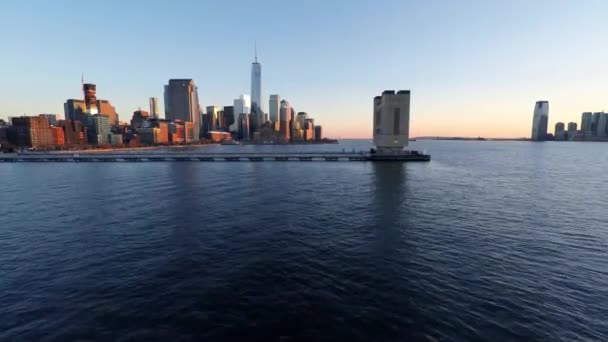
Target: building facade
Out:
[30,131]
[284,119]
[391,121]
[73,109]
[256,92]
[274,108]
[318,133]
[242,105]
[181,103]
[104,107]
[154,114]
[74,133]
[228,118]
[540,121]
[98,129]
[602,125]
[587,122]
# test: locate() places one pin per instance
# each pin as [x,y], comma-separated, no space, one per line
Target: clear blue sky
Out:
[474,67]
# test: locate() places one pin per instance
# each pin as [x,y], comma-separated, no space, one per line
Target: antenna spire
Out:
[256,50]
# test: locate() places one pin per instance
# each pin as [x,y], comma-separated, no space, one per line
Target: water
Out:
[490,240]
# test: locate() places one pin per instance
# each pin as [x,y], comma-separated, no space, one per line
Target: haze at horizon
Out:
[474,68]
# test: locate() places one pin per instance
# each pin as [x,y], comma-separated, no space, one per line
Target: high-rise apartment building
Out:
[256,92]
[74,133]
[274,108]
[285,113]
[154,114]
[98,129]
[391,121]
[540,121]
[31,131]
[181,103]
[560,131]
[587,122]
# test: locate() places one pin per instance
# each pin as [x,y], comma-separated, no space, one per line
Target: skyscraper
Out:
[285,113]
[595,123]
[274,108]
[602,125]
[90,98]
[181,103]
[242,105]
[560,132]
[73,109]
[228,117]
[256,91]
[391,121]
[586,122]
[540,121]
[105,107]
[212,113]
[154,108]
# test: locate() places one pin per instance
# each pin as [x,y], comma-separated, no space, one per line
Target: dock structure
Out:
[211,157]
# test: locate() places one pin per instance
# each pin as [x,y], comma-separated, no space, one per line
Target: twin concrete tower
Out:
[391,121]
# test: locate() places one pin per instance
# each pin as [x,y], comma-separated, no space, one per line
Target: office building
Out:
[284,115]
[309,129]
[301,119]
[104,107]
[586,122]
[318,133]
[212,113]
[572,127]
[540,121]
[391,121]
[98,128]
[181,103]
[560,132]
[274,108]
[74,132]
[602,125]
[243,127]
[30,131]
[90,98]
[242,105]
[228,118]
[74,109]
[256,92]
[154,114]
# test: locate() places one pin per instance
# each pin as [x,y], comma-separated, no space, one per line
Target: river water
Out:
[489,240]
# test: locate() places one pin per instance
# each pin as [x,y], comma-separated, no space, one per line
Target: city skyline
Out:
[473,75]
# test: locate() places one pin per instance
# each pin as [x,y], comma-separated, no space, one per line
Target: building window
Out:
[396,119]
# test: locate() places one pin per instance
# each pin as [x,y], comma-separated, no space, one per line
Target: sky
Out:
[474,68]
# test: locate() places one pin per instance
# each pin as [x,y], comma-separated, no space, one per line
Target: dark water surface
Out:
[490,240]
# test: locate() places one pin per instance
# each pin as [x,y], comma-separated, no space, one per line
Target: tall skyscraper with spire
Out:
[256,91]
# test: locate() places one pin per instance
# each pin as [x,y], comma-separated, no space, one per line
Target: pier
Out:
[212,157]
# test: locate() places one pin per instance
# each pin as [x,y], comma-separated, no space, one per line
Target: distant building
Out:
[104,107]
[90,98]
[571,130]
[391,121]
[242,105]
[98,128]
[301,119]
[244,129]
[217,136]
[274,108]
[256,93]
[228,119]
[602,125]
[309,129]
[154,114]
[30,131]
[587,122]
[318,133]
[115,139]
[58,136]
[212,113]
[181,103]
[139,118]
[560,132]
[540,121]
[285,113]
[52,118]
[292,121]
[73,109]
[74,133]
